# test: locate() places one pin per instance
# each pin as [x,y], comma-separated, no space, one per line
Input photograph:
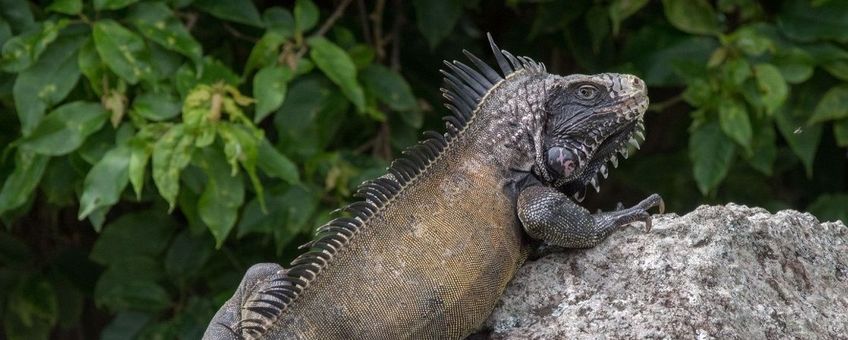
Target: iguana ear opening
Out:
[561,161]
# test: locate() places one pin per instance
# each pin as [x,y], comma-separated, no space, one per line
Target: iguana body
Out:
[435,242]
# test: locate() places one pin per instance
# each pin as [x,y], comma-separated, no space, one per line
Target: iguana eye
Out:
[587,92]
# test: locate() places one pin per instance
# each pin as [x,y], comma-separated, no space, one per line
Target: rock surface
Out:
[724,272]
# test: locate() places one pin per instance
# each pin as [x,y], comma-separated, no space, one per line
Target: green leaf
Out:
[619,10]
[135,267]
[29,167]
[795,64]
[187,255]
[221,198]
[771,86]
[830,207]
[105,181]
[71,300]
[198,116]
[840,132]
[213,72]
[692,16]
[269,90]
[662,53]
[242,12]
[32,310]
[157,22]
[735,72]
[301,202]
[389,87]
[61,183]
[830,57]
[92,67]
[833,106]
[17,13]
[138,234]
[290,216]
[838,69]
[436,18]
[139,157]
[362,55]
[156,106]
[97,144]
[735,122]
[5,33]
[265,52]
[791,120]
[64,129]
[256,220]
[69,7]
[305,15]
[241,147]
[98,217]
[126,325]
[337,65]
[279,20]
[764,146]
[47,82]
[123,51]
[412,118]
[24,50]
[598,25]
[118,293]
[165,63]
[112,4]
[171,154]
[273,163]
[803,21]
[749,40]
[711,153]
[311,114]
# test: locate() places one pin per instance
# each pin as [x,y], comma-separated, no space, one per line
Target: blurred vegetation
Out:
[152,151]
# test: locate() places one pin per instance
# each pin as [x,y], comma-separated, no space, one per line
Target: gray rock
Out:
[723,272]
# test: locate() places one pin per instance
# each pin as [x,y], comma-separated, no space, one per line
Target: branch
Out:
[377,16]
[661,106]
[326,26]
[363,19]
[400,19]
[238,34]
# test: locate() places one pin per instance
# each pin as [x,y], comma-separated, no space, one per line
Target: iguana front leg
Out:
[551,216]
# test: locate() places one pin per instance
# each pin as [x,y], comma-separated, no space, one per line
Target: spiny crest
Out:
[465,89]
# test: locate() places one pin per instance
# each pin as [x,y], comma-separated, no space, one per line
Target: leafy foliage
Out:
[153,150]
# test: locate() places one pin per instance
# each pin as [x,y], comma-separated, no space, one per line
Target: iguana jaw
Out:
[621,144]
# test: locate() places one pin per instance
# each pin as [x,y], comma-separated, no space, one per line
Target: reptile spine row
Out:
[464,90]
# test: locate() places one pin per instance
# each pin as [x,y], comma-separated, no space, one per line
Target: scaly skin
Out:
[434,259]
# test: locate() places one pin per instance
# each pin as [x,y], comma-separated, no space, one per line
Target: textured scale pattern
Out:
[389,301]
[466,88]
[433,243]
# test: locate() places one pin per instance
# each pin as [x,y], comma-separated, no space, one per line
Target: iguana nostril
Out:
[561,161]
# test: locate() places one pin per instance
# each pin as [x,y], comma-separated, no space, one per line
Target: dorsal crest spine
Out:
[465,88]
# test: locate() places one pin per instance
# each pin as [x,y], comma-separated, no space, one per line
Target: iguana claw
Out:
[641,210]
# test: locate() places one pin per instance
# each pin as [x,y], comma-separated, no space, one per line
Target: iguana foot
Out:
[550,216]
[639,212]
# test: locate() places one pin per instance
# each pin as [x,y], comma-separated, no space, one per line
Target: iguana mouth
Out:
[618,144]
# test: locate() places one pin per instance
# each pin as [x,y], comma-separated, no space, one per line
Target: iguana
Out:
[433,243]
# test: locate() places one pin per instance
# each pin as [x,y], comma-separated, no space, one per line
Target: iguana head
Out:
[577,123]
[589,120]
